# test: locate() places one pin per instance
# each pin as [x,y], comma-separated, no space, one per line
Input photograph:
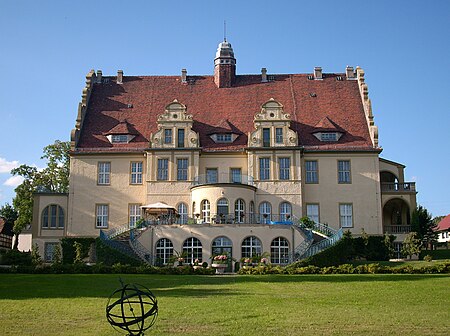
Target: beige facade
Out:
[282,147]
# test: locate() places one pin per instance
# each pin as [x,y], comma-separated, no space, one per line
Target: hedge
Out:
[436,254]
[109,256]
[68,250]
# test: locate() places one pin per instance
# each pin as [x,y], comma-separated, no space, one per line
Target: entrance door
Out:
[223,245]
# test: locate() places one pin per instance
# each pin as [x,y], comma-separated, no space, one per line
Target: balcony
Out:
[398,187]
[397,229]
[222,178]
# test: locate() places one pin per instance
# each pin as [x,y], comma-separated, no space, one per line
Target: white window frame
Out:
[164,250]
[48,217]
[104,173]
[101,216]
[346,215]
[279,135]
[49,251]
[251,246]
[311,171]
[182,169]
[193,249]
[264,168]
[235,175]
[182,210]
[168,135]
[206,211]
[162,173]
[136,172]
[279,251]
[119,138]
[239,210]
[344,172]
[313,211]
[285,211]
[134,214]
[265,208]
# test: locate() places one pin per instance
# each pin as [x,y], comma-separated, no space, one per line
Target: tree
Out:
[411,245]
[423,225]
[53,178]
[8,212]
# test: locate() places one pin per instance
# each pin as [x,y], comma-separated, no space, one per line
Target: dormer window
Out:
[328,136]
[119,138]
[223,137]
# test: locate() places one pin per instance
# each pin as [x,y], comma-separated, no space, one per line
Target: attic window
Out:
[313,94]
[339,78]
[328,136]
[270,78]
[310,77]
[223,137]
[119,138]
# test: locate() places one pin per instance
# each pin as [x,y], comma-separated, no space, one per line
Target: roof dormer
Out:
[327,130]
[123,132]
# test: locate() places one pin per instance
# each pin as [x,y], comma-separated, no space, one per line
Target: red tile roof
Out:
[211,106]
[444,224]
[327,125]
[123,127]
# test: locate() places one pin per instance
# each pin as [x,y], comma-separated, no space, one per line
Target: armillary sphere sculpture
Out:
[132,308]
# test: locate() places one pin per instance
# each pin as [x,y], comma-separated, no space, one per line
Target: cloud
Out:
[13,181]
[6,166]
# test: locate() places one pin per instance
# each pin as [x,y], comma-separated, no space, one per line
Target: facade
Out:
[241,158]
[6,234]
[443,230]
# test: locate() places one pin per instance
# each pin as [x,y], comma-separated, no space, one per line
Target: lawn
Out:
[233,305]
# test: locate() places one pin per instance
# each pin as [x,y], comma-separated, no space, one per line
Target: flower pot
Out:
[220,268]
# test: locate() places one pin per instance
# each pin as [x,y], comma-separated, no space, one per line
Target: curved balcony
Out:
[223,178]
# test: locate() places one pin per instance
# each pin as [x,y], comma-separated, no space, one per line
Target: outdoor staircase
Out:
[317,238]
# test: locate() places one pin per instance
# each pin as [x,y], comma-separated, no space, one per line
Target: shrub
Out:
[428,257]
[15,257]
[110,256]
[69,253]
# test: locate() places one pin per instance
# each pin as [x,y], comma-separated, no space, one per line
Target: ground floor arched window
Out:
[279,251]
[192,250]
[164,251]
[251,246]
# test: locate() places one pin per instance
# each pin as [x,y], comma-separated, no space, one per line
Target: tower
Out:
[224,65]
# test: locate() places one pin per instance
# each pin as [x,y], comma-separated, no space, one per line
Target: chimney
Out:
[183,76]
[263,75]
[349,72]
[318,73]
[119,76]
[99,76]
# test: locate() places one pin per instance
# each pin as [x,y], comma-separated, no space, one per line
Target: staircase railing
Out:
[117,245]
[322,245]
[141,251]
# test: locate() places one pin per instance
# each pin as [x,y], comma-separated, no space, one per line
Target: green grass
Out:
[397,264]
[233,305]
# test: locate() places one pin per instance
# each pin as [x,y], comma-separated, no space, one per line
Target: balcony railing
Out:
[397,228]
[398,187]
[222,178]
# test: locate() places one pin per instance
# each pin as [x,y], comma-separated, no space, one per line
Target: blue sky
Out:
[47,48]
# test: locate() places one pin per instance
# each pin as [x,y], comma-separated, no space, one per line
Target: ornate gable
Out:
[175,128]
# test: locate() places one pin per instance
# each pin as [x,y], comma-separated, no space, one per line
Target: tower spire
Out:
[224,30]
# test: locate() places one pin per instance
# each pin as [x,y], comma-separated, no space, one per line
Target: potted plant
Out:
[220,262]
[197,264]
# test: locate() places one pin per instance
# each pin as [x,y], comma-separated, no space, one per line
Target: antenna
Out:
[225,31]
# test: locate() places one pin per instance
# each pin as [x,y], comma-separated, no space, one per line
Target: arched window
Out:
[251,246]
[222,245]
[183,213]
[206,211]
[279,251]
[239,210]
[265,212]
[222,207]
[285,211]
[192,249]
[53,217]
[164,251]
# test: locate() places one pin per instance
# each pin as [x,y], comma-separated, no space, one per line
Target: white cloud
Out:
[13,181]
[6,166]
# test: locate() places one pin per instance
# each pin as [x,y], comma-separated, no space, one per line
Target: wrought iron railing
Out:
[398,187]
[123,247]
[141,251]
[222,178]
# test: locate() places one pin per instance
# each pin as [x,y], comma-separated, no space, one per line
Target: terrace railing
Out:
[398,187]
[222,178]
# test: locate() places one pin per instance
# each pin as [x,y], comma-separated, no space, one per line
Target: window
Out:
[211,175]
[279,251]
[346,215]
[224,138]
[344,171]
[264,168]
[311,172]
[102,214]
[251,246]
[183,213]
[206,211]
[312,212]
[53,217]
[265,212]
[222,207]
[192,248]
[278,135]
[239,210]
[134,211]
[328,136]
[49,251]
[167,136]
[104,171]
[164,251]
[251,210]
[266,137]
[182,169]
[180,138]
[235,175]
[163,170]
[285,211]
[222,245]
[119,138]
[284,167]
[136,172]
